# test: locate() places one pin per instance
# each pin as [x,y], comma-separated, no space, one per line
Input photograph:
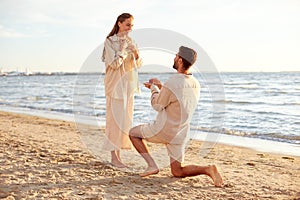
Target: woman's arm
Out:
[113,58]
[134,49]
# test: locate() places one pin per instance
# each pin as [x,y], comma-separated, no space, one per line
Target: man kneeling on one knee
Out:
[175,101]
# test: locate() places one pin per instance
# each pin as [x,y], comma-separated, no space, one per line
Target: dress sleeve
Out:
[139,62]
[160,99]
[113,58]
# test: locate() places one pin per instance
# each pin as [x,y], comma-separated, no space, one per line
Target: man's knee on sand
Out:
[176,168]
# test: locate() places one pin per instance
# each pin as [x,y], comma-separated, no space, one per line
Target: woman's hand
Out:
[133,49]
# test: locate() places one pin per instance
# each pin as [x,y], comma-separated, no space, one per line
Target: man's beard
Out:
[175,66]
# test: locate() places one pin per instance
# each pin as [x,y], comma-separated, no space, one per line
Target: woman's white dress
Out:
[121,81]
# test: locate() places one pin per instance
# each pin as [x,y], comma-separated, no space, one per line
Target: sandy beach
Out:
[45,158]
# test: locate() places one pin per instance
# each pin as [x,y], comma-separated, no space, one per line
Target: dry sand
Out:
[43,158]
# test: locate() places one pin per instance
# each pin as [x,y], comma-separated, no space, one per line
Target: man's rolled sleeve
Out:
[160,99]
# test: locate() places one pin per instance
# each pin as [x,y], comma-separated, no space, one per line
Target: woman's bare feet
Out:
[215,175]
[116,160]
[118,164]
[150,171]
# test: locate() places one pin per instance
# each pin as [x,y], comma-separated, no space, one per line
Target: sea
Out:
[259,110]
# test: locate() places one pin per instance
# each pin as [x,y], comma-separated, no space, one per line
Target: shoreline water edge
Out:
[258,144]
[261,110]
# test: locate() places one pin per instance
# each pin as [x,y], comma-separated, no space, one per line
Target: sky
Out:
[238,35]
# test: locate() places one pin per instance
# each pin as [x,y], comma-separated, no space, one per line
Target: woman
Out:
[121,59]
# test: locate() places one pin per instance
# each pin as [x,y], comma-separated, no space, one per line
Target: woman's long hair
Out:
[121,18]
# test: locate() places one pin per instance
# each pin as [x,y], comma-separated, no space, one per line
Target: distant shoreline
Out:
[13,73]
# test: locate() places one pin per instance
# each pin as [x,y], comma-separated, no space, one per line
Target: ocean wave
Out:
[248,87]
[33,108]
[227,101]
[238,83]
[34,98]
[294,139]
[238,102]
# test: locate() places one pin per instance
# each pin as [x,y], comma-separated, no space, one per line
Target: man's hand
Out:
[153,81]
[147,85]
[156,82]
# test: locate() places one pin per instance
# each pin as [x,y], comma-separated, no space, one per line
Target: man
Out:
[175,102]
